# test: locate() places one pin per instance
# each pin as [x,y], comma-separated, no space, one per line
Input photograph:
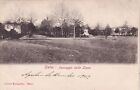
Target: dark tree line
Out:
[121,31]
[26,29]
[65,29]
[70,25]
[46,28]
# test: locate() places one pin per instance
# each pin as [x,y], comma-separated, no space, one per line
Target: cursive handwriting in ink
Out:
[53,74]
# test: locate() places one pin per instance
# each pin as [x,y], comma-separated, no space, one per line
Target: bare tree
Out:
[77,20]
[60,15]
[64,16]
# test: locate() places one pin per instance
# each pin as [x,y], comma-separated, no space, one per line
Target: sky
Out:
[93,12]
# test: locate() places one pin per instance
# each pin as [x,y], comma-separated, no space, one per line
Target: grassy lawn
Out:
[95,50]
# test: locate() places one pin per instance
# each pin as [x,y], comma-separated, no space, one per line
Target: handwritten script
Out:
[54,74]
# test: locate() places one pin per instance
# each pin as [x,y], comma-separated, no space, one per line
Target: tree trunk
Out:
[74,33]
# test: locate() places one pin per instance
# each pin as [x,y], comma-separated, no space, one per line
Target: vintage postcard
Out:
[69,44]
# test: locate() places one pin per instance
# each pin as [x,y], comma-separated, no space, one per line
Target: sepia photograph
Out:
[69,31]
[69,44]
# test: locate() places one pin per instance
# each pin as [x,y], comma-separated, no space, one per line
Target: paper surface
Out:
[108,77]
[73,63]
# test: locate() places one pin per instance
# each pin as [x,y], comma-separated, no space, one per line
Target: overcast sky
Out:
[112,12]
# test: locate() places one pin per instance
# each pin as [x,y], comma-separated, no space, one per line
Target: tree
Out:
[77,27]
[107,31]
[124,29]
[32,29]
[46,27]
[28,28]
[13,34]
[134,31]
[60,16]
[3,32]
[66,17]
[76,20]
[96,30]
[65,27]
[117,30]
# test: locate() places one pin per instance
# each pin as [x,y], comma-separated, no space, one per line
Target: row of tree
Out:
[123,30]
[64,30]
[63,23]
